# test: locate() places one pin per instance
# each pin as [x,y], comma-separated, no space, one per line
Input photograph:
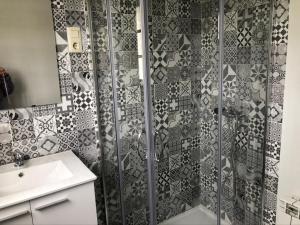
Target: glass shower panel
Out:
[108,194]
[184,72]
[246,60]
[124,24]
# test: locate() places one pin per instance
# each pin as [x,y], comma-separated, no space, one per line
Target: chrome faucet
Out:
[19,159]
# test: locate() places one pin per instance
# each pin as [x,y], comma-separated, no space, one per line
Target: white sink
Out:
[22,179]
[41,176]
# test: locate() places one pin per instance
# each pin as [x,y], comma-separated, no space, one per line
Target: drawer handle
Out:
[17,214]
[49,204]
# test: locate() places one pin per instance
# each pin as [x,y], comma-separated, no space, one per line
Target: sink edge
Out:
[81,175]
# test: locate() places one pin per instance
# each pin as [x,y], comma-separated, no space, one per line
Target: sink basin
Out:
[22,179]
[40,177]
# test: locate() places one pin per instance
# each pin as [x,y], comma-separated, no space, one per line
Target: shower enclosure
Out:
[183,88]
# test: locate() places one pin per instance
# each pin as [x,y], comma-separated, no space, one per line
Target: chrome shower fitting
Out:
[230,112]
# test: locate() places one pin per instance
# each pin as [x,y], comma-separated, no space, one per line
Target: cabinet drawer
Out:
[69,207]
[16,215]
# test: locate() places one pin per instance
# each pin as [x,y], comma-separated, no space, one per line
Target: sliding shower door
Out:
[126,61]
[188,82]
[247,32]
[185,79]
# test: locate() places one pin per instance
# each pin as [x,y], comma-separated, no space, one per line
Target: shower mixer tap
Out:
[230,112]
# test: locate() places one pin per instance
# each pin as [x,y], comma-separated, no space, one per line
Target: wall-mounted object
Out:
[5,133]
[28,53]
[291,206]
[74,39]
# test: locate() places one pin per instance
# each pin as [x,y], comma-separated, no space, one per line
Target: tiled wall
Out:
[72,124]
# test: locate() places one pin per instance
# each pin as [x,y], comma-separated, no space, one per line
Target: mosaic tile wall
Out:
[71,124]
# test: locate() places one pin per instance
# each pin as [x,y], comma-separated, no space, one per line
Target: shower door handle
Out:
[140,135]
[156,133]
[155,155]
[138,145]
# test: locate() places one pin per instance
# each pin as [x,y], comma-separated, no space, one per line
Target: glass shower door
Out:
[182,88]
[184,70]
[127,72]
[163,81]
[247,31]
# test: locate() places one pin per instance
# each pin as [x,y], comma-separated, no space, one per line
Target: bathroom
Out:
[149,112]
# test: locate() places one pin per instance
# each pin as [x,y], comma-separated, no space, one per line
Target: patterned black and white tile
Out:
[184,61]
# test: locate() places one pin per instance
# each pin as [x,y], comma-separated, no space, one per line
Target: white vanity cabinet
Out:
[70,207]
[55,189]
[16,215]
[74,206]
